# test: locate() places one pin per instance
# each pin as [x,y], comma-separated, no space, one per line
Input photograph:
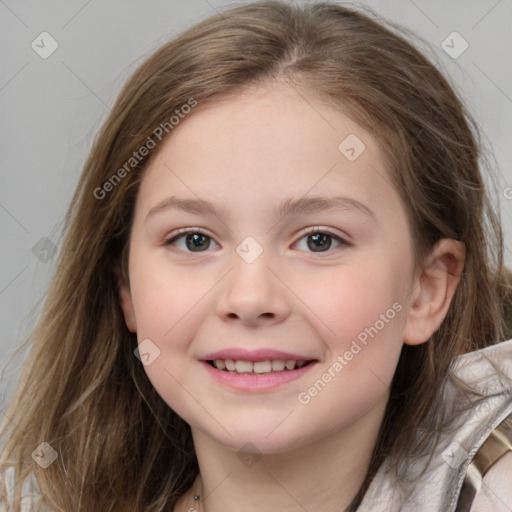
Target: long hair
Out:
[120,447]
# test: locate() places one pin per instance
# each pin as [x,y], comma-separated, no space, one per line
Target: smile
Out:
[256,376]
[266,367]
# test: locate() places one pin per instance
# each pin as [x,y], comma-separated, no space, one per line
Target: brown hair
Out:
[120,447]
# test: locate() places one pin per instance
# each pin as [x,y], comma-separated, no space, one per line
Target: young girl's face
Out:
[303,253]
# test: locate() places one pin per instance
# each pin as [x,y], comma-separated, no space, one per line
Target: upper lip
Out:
[262,354]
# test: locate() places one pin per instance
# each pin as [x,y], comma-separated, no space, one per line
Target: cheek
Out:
[360,316]
[164,295]
[363,343]
[169,304]
[356,300]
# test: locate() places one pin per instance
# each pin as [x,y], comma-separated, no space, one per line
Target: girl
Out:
[281,288]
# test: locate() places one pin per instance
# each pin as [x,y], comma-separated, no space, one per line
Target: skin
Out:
[246,154]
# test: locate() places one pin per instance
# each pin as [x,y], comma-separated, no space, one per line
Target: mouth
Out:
[265,367]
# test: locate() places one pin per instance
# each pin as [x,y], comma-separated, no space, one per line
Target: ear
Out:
[125,300]
[433,290]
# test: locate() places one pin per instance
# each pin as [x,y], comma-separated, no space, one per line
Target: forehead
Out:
[267,143]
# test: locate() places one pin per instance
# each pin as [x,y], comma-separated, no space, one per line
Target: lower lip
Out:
[256,382]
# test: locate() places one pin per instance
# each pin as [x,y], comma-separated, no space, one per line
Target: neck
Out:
[325,474]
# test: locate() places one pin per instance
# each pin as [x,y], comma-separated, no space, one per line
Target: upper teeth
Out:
[241,366]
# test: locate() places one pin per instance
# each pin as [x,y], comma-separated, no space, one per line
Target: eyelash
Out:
[314,231]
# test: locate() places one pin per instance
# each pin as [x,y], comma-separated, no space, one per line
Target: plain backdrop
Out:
[51,106]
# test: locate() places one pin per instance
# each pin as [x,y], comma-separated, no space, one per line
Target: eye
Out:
[195,240]
[321,241]
[190,240]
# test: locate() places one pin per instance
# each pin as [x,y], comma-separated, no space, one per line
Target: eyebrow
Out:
[303,205]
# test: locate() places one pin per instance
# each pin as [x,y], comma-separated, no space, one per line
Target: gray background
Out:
[50,110]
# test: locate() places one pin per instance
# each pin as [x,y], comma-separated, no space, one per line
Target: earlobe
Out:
[433,291]
[126,303]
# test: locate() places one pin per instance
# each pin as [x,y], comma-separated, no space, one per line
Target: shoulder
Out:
[495,493]
[30,491]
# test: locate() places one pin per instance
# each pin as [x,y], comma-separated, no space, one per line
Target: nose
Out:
[252,294]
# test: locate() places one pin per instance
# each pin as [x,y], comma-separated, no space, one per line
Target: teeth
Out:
[278,365]
[267,366]
[243,366]
[262,366]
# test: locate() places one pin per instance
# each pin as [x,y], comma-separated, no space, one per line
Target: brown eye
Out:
[321,241]
[191,241]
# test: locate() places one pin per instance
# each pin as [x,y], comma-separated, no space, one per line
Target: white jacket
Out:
[439,488]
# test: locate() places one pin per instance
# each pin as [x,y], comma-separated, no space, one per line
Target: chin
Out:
[257,437]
